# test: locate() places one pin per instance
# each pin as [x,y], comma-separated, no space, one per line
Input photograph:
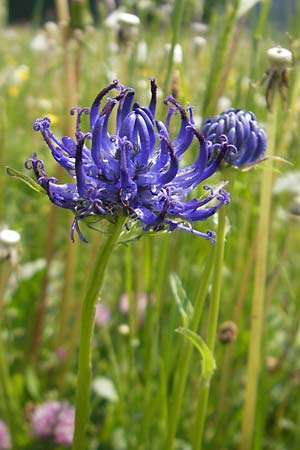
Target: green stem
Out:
[152,329]
[6,389]
[38,327]
[258,300]
[212,327]
[87,325]
[178,14]
[185,357]
[217,64]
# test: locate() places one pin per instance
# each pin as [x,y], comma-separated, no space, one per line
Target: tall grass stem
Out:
[213,316]
[258,300]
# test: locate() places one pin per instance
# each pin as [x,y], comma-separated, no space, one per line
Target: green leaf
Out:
[32,383]
[25,179]
[208,365]
[183,303]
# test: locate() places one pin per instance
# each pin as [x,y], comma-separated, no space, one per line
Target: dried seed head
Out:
[280,56]
[228,332]
[9,237]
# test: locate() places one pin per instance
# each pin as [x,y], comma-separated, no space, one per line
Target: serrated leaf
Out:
[25,179]
[183,303]
[208,365]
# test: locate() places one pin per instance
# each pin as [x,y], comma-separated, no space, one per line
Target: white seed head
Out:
[118,17]
[9,237]
[280,56]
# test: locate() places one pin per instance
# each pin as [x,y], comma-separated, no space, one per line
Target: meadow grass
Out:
[147,391]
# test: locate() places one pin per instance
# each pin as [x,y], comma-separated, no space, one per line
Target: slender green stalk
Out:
[178,14]
[9,405]
[152,327]
[85,348]
[212,328]
[240,295]
[216,69]
[258,301]
[38,327]
[185,356]
[129,293]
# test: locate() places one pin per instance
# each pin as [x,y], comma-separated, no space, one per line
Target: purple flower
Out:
[44,418]
[64,429]
[103,314]
[241,130]
[54,420]
[5,442]
[135,171]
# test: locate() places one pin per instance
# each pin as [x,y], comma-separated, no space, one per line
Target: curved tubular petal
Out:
[79,112]
[209,235]
[167,176]
[185,135]
[108,165]
[150,127]
[144,140]
[261,146]
[215,163]
[192,175]
[128,187]
[128,126]
[80,174]
[74,227]
[148,217]
[69,145]
[96,104]
[37,165]
[152,104]
[161,154]
[124,108]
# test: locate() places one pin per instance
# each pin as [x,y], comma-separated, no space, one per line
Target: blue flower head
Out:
[241,130]
[134,171]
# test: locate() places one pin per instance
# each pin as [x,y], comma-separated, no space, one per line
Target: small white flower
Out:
[39,43]
[288,182]
[178,53]
[199,42]
[124,329]
[142,52]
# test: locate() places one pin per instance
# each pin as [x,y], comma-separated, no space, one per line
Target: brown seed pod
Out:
[228,332]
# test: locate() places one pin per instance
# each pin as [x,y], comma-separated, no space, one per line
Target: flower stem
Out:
[178,14]
[87,325]
[212,327]
[185,356]
[258,300]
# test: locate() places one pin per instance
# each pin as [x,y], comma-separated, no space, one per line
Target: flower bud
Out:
[241,130]
[228,332]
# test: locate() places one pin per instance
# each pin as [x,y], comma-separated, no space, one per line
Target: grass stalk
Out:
[258,300]
[176,23]
[213,315]
[218,60]
[185,354]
